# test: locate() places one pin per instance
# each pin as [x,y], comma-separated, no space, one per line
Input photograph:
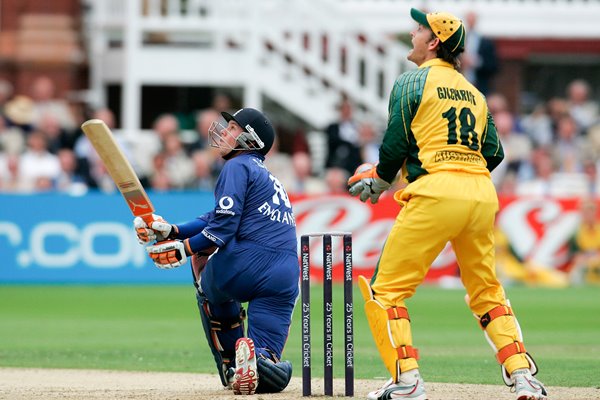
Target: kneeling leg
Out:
[223,325]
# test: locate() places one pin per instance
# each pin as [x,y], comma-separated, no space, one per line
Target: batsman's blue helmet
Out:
[257,125]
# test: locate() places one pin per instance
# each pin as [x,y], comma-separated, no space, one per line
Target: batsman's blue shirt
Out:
[250,205]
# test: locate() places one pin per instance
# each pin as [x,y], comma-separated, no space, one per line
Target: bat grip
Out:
[147,219]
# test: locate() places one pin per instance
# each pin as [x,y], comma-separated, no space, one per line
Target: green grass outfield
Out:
[156,328]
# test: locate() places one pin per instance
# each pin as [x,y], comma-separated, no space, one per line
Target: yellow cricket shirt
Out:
[438,121]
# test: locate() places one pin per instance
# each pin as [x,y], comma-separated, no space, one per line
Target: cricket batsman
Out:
[244,250]
[440,133]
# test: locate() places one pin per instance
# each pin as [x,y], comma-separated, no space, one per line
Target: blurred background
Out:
[160,71]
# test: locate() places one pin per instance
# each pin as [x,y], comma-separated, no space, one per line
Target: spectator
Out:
[570,146]
[43,94]
[280,164]
[343,150]
[57,137]
[19,113]
[497,103]
[160,180]
[581,108]
[585,245]
[557,108]
[479,61]
[203,178]
[204,120]
[305,182]
[538,126]
[12,139]
[69,179]
[10,177]
[517,148]
[542,169]
[336,180]
[179,167]
[37,162]
[369,142]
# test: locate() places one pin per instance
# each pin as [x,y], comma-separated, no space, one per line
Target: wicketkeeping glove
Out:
[158,230]
[167,255]
[366,183]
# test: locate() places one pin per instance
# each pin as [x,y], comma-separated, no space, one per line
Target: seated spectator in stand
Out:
[69,179]
[43,94]
[557,109]
[279,164]
[570,147]
[538,126]
[581,108]
[542,168]
[203,121]
[343,149]
[305,182]
[369,142]
[57,137]
[160,180]
[517,148]
[204,118]
[179,166]
[203,178]
[336,180]
[585,246]
[37,162]
[497,103]
[19,113]
[163,126]
[10,177]
[12,139]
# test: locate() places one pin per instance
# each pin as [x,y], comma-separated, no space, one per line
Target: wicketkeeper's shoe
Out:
[402,390]
[245,379]
[526,386]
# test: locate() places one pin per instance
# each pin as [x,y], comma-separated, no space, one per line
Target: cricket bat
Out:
[119,168]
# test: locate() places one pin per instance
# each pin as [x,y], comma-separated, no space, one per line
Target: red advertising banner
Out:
[537,230]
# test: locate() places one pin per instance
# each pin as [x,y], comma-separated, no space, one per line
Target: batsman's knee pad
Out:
[273,376]
[391,330]
[223,325]
[504,335]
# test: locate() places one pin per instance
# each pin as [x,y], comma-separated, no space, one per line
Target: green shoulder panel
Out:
[491,148]
[404,102]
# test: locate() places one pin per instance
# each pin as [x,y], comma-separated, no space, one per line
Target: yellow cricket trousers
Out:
[443,207]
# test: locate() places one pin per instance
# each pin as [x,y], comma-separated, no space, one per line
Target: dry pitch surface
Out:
[24,383]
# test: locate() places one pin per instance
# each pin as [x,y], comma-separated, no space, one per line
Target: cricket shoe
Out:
[245,379]
[526,386]
[391,390]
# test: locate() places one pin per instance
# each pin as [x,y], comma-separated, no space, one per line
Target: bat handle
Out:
[147,219]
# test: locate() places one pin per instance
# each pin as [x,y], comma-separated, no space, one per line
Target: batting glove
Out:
[169,254]
[366,184]
[158,230]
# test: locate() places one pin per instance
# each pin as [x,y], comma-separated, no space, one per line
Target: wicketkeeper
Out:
[244,250]
[442,136]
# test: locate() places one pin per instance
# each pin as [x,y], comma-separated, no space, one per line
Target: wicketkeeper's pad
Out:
[391,330]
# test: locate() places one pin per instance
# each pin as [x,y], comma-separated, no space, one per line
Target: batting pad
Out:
[392,337]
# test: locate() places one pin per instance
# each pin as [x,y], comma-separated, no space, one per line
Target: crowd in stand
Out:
[553,150]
